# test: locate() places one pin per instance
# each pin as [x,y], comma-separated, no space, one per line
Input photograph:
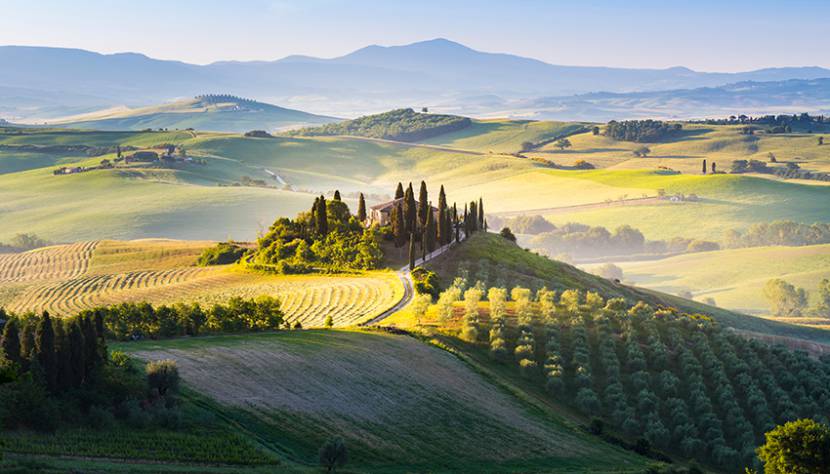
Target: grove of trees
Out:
[642,131]
[400,124]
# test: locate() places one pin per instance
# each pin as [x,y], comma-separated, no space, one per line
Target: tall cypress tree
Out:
[473,225]
[322,217]
[443,228]
[92,361]
[27,344]
[466,222]
[45,350]
[62,357]
[100,331]
[423,205]
[10,345]
[398,227]
[411,251]
[704,166]
[455,223]
[313,219]
[430,230]
[410,210]
[336,194]
[361,208]
[77,358]
[399,191]
[480,211]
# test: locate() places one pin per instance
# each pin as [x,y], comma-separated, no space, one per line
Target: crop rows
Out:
[57,262]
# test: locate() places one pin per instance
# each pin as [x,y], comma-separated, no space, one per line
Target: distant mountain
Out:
[207,112]
[748,97]
[436,73]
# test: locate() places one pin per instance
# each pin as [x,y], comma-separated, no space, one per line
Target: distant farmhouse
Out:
[381,214]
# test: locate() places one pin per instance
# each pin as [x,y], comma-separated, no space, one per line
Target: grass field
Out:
[734,278]
[65,279]
[186,202]
[401,405]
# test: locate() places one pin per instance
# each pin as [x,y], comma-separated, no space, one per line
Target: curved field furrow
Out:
[48,263]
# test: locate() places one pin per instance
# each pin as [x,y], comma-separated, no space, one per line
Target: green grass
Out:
[504,136]
[401,406]
[735,278]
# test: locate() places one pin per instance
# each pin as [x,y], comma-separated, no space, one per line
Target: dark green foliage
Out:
[399,191]
[223,253]
[410,211]
[426,282]
[423,206]
[163,376]
[507,234]
[328,238]
[643,131]
[398,225]
[10,343]
[333,454]
[128,321]
[797,447]
[429,230]
[401,124]
[361,208]
[780,233]
[45,351]
[753,166]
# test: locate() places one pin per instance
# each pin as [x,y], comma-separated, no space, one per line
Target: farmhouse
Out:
[381,214]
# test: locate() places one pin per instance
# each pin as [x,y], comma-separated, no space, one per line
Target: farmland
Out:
[68,278]
[399,404]
[734,278]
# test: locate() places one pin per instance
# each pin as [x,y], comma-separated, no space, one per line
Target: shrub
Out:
[163,375]
[333,454]
[222,253]
[507,234]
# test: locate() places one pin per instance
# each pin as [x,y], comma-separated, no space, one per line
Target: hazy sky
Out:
[707,35]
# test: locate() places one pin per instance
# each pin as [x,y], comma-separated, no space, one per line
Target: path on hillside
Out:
[408,285]
[594,205]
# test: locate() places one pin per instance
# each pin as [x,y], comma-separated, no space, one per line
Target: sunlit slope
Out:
[504,136]
[400,405]
[229,114]
[734,278]
[66,279]
[498,262]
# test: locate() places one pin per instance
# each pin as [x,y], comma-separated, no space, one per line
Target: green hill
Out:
[498,262]
[404,125]
[208,112]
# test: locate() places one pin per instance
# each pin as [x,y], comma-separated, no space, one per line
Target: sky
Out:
[705,35]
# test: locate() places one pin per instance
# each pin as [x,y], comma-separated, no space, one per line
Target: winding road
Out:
[408,285]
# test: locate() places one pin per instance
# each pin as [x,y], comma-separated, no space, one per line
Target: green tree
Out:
[410,210]
[785,299]
[563,143]
[423,205]
[337,194]
[443,227]
[797,447]
[76,353]
[480,211]
[10,344]
[595,130]
[642,152]
[361,208]
[398,225]
[704,166]
[163,375]
[333,454]
[430,230]
[45,350]
[399,191]
[329,322]
[411,251]
[507,234]
[823,307]
[321,215]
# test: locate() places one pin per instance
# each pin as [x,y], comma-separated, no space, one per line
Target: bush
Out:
[163,375]
[507,234]
[222,253]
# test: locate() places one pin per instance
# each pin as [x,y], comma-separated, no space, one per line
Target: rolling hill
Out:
[223,113]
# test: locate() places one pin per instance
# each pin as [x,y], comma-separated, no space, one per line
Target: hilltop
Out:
[210,112]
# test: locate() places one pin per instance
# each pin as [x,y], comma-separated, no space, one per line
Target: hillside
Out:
[224,113]
[398,403]
[498,262]
[66,279]
[404,125]
[735,278]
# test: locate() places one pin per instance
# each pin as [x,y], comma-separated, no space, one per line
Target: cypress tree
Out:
[443,228]
[411,251]
[399,191]
[466,222]
[714,167]
[10,345]
[91,355]
[313,219]
[398,227]
[101,332]
[336,194]
[410,210]
[361,208]
[45,350]
[704,166]
[455,223]
[430,231]
[473,217]
[62,357]
[480,211]
[423,205]
[27,344]
[322,217]
[76,353]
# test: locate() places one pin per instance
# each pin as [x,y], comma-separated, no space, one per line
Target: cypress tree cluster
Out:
[63,354]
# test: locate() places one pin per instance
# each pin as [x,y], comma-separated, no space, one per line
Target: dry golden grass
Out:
[67,279]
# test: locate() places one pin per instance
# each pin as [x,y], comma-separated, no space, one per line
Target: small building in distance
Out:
[381,214]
